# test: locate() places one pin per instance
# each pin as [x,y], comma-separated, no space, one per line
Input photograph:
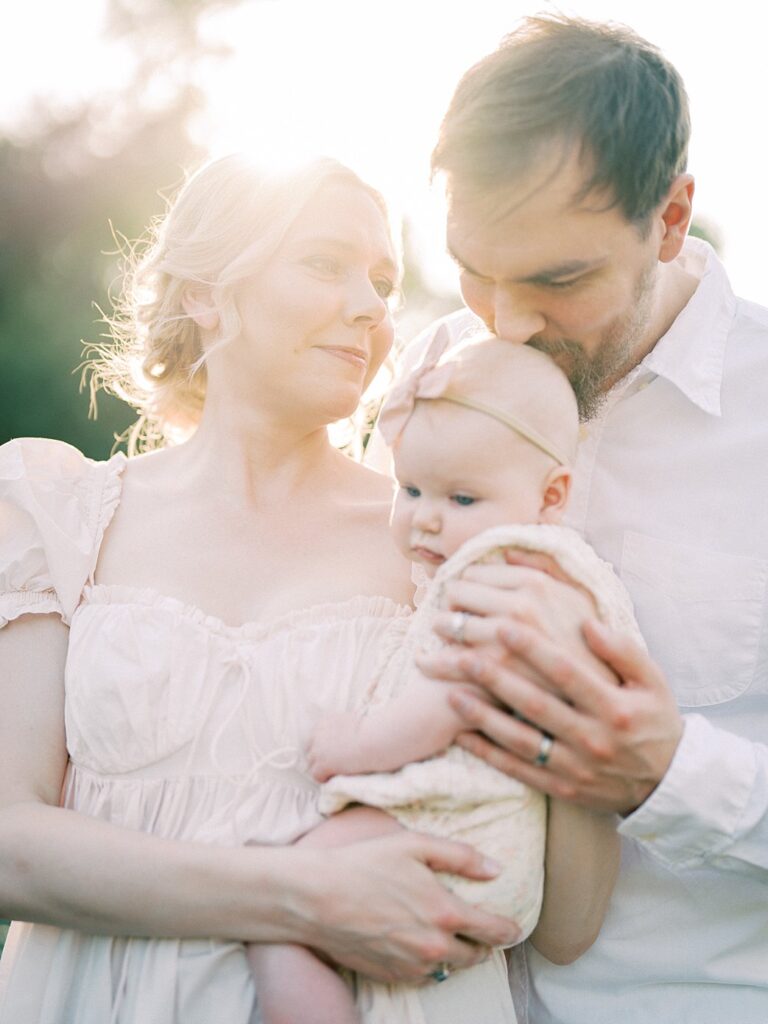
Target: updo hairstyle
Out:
[224,225]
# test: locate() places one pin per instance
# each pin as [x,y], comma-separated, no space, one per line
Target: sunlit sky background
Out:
[368,81]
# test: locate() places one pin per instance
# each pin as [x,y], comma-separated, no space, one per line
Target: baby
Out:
[482,442]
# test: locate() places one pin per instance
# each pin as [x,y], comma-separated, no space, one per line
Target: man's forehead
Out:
[546,232]
[551,185]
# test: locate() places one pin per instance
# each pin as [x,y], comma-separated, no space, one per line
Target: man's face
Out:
[576,281]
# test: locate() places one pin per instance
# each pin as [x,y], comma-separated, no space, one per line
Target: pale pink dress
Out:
[177,725]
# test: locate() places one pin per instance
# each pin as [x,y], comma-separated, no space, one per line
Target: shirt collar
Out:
[692,352]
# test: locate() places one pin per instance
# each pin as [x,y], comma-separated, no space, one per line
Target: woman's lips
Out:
[355,356]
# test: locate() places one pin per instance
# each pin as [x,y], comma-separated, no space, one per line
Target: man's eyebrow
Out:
[569,268]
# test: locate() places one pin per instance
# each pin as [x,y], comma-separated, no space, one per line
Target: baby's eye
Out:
[412,492]
[463,499]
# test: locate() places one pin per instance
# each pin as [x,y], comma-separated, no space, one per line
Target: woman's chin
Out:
[341,404]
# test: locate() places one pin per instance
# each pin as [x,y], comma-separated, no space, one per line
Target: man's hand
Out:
[612,743]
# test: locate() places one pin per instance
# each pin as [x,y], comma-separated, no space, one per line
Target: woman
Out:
[192,600]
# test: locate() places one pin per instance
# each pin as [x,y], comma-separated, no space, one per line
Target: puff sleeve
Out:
[54,507]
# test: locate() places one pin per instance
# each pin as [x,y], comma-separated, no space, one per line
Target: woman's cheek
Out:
[382,340]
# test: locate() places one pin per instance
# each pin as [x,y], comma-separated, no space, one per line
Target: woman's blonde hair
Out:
[226,222]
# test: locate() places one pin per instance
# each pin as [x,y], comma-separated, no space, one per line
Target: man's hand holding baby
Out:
[612,743]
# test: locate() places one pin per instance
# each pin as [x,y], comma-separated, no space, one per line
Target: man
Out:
[564,157]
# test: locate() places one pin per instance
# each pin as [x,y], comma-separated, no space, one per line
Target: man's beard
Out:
[592,375]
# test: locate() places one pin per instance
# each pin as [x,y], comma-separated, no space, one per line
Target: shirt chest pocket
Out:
[701,614]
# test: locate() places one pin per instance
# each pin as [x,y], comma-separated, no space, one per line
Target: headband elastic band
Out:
[509,421]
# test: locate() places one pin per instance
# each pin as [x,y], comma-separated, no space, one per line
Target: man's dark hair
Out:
[599,88]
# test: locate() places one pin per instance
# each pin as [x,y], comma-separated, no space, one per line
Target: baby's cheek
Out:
[457,531]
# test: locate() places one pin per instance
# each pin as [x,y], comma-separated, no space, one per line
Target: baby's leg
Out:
[294,985]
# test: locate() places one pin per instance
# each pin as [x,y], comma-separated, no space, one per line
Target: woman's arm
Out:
[580,871]
[374,907]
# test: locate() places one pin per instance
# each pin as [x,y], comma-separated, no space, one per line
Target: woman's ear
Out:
[676,211]
[554,498]
[199,305]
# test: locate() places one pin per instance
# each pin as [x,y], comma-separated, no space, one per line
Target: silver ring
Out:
[441,972]
[545,749]
[457,626]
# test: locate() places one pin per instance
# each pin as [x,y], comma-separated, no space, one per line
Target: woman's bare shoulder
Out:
[365,506]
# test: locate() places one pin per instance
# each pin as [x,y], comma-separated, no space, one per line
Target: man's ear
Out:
[675,212]
[199,305]
[557,488]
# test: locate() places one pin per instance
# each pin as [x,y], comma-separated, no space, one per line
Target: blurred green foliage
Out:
[55,271]
[64,186]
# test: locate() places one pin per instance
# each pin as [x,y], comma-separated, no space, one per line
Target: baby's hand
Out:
[334,747]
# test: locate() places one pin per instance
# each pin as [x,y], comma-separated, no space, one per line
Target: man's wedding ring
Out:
[457,626]
[545,749]
[440,973]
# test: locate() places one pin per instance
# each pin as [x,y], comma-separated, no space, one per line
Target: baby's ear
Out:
[199,305]
[554,498]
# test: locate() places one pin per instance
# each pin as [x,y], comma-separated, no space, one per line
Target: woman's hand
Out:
[377,908]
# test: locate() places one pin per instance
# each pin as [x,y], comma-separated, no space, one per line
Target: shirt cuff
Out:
[696,810]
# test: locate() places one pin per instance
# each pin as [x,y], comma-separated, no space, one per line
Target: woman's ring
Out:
[441,972]
[545,749]
[457,626]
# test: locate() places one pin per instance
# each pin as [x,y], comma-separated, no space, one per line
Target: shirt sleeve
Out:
[712,805]
[54,505]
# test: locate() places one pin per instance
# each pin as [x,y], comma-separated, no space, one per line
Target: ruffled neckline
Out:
[361,605]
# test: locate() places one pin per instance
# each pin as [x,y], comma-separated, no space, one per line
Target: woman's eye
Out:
[464,499]
[412,492]
[323,264]
[384,287]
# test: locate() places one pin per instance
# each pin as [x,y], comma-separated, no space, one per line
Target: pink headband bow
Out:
[432,381]
[427,381]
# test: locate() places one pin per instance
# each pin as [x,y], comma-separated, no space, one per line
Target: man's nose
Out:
[513,321]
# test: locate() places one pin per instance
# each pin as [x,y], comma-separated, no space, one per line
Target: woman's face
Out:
[316,323]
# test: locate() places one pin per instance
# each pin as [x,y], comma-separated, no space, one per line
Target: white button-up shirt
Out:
[671,487]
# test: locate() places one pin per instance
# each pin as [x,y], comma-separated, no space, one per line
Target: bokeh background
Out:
[105,103]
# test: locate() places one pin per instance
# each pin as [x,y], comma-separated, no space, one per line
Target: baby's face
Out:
[460,472]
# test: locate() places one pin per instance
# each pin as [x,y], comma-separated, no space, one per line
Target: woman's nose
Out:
[364,302]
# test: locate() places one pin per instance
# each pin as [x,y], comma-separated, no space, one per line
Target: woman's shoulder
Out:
[368,488]
[364,508]
[54,506]
[47,478]
[44,458]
